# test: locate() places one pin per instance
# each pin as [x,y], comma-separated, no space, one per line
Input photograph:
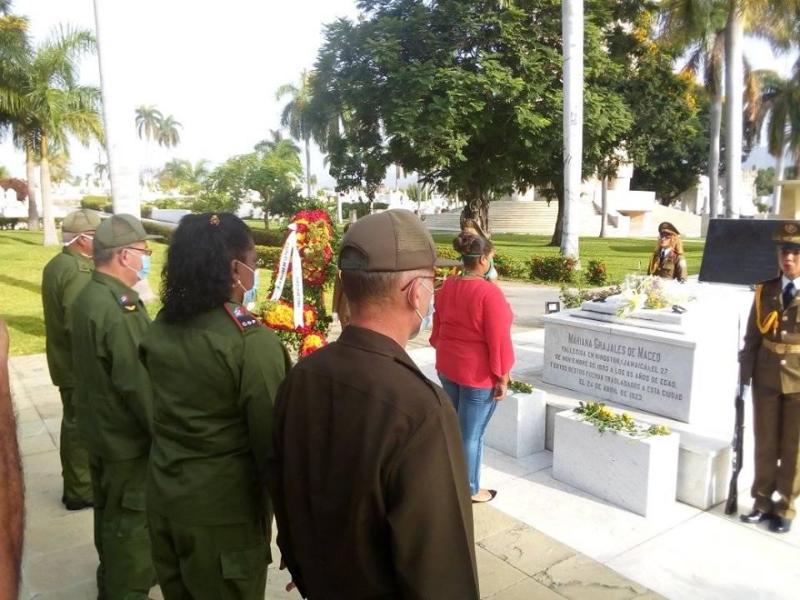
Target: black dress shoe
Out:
[780,524]
[755,516]
[77,504]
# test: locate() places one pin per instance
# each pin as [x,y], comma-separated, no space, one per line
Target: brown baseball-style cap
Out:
[80,221]
[787,235]
[120,230]
[392,240]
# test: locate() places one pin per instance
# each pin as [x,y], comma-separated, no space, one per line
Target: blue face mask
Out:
[426,320]
[249,297]
[145,270]
[492,272]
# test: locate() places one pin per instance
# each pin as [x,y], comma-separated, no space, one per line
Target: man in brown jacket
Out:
[369,480]
[771,357]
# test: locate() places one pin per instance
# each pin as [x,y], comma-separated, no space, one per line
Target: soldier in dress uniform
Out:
[62,280]
[114,405]
[668,260]
[771,359]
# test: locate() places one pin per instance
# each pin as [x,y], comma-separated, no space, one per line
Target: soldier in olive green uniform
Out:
[771,357]
[668,260]
[62,280]
[114,405]
[215,370]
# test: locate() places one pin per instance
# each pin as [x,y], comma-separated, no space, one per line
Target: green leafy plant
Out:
[520,387]
[553,268]
[510,266]
[596,273]
[602,417]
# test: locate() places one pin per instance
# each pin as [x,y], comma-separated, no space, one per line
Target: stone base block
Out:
[638,474]
[517,427]
[704,470]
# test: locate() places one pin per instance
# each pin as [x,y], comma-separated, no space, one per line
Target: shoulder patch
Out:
[84,268]
[242,317]
[127,303]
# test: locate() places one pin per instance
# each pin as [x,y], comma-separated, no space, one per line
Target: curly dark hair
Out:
[197,276]
[471,247]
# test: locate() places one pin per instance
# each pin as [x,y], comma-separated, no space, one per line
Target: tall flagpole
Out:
[118,108]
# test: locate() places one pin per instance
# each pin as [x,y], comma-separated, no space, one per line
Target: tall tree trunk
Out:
[558,232]
[713,155]
[780,167]
[734,88]
[475,214]
[603,206]
[118,107]
[572,25]
[308,169]
[50,236]
[30,175]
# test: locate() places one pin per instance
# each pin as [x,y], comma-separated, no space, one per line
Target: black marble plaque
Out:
[740,251]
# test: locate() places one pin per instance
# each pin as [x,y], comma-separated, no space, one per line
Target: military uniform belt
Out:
[779,348]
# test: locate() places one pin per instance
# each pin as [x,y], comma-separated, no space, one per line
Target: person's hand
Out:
[500,389]
[291,585]
[3,339]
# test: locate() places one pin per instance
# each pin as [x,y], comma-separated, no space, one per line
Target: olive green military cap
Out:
[787,235]
[120,230]
[80,221]
[392,240]
[668,227]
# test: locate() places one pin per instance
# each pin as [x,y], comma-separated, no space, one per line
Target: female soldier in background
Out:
[668,260]
[215,370]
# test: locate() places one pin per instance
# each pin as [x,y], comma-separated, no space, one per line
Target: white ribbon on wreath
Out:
[290,253]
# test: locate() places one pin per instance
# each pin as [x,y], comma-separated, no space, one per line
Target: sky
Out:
[215,66]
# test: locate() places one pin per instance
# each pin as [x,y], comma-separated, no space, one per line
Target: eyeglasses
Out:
[787,251]
[406,286]
[664,235]
[145,251]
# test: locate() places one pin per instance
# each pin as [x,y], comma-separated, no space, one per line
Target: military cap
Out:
[787,235]
[668,227]
[80,221]
[120,230]
[392,240]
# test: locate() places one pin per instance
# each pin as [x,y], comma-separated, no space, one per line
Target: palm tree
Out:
[698,28]
[275,138]
[776,108]
[764,18]
[61,106]
[296,116]
[148,122]
[15,53]
[168,134]
[48,104]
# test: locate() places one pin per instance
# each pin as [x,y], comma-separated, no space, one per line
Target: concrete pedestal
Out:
[638,474]
[517,427]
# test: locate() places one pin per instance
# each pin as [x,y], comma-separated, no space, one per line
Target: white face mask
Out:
[86,236]
[425,321]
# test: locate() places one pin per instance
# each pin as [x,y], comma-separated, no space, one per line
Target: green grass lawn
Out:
[621,255]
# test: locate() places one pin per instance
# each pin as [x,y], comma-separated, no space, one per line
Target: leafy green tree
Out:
[272,173]
[765,181]
[181,175]
[469,95]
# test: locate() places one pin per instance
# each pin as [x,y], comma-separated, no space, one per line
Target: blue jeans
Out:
[475,406]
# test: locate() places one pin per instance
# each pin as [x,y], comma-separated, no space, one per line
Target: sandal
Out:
[492,494]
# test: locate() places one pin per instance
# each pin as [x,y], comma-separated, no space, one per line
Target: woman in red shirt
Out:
[474,354]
